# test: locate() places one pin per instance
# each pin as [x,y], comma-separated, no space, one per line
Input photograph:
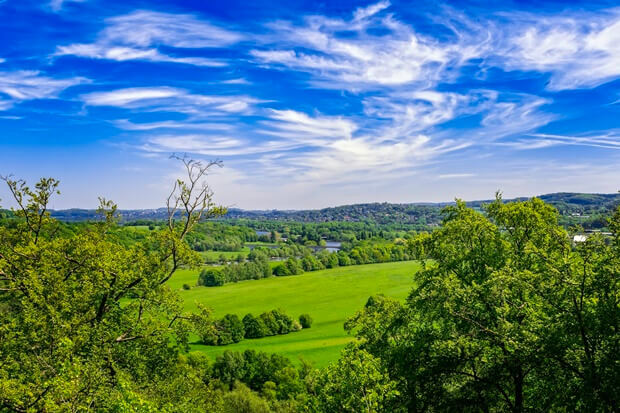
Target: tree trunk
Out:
[518,381]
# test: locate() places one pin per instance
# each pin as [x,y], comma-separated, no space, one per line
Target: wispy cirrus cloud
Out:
[127,125]
[138,36]
[22,85]
[378,51]
[213,145]
[309,130]
[578,50]
[608,140]
[56,5]
[170,99]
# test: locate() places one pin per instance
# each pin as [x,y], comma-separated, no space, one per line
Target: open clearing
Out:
[329,296]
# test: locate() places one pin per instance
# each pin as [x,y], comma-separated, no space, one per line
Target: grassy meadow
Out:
[329,296]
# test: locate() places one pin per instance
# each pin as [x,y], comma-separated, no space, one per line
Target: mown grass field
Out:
[329,296]
[230,255]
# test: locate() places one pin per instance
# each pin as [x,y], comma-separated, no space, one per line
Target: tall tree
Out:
[83,317]
[507,315]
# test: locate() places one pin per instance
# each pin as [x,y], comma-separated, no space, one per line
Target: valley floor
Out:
[329,296]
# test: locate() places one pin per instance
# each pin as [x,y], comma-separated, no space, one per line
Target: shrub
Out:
[305,320]
[230,329]
[271,324]
[211,278]
[281,270]
[296,326]
[187,287]
[254,327]
[284,322]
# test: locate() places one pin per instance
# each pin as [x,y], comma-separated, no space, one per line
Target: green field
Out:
[329,296]
[231,255]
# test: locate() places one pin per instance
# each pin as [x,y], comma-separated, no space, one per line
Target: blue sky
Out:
[311,104]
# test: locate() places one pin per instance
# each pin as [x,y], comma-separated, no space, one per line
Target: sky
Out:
[310,104]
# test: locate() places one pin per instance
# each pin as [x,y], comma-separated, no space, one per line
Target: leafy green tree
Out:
[254,327]
[283,321]
[233,328]
[243,400]
[271,324]
[229,367]
[293,266]
[356,383]
[332,261]
[506,316]
[281,270]
[211,277]
[80,313]
[288,383]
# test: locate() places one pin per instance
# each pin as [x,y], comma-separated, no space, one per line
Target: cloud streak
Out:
[138,36]
[23,85]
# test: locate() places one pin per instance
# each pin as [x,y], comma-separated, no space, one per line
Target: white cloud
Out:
[365,12]
[56,5]
[609,140]
[123,53]
[520,114]
[211,145]
[130,96]
[170,100]
[125,124]
[137,36]
[237,81]
[335,149]
[401,78]
[455,176]
[305,129]
[379,51]
[579,51]
[24,85]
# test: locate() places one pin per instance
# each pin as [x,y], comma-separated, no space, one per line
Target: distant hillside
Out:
[575,207]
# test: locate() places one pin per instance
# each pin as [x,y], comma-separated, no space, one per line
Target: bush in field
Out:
[296,326]
[271,324]
[280,270]
[292,266]
[284,322]
[230,330]
[187,287]
[305,320]
[254,327]
[211,277]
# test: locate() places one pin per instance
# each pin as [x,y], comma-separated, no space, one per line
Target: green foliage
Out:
[305,320]
[291,266]
[254,327]
[271,374]
[230,329]
[211,277]
[508,316]
[356,383]
[85,321]
[243,400]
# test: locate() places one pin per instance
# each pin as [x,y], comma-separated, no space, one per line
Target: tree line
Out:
[231,329]
[259,267]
